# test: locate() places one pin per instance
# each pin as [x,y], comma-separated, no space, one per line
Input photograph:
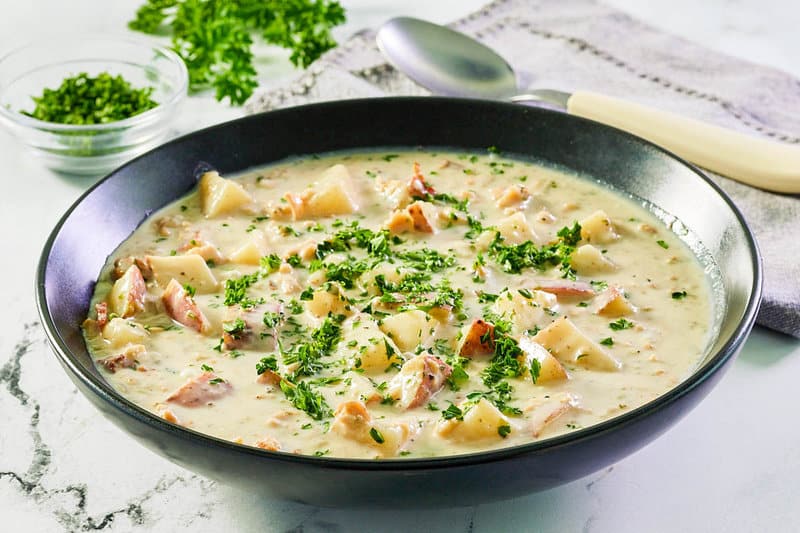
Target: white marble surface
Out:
[731,465]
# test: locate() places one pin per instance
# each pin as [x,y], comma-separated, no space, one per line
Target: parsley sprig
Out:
[215,37]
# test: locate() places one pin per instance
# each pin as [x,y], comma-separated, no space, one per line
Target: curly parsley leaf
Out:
[215,37]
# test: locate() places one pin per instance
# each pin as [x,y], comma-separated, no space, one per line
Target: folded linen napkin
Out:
[584,44]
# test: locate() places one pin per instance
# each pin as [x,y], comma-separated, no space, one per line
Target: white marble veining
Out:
[731,465]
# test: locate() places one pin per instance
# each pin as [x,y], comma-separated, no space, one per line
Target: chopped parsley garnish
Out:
[272,319]
[620,324]
[205,368]
[376,435]
[236,291]
[427,260]
[346,272]
[295,307]
[84,99]
[662,244]
[504,430]
[515,258]
[608,341]
[305,398]
[570,236]
[679,295]
[376,244]
[234,328]
[308,354]
[485,297]
[453,411]
[475,228]
[191,291]
[267,363]
[599,285]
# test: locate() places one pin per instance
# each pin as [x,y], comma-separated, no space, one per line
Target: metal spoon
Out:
[451,63]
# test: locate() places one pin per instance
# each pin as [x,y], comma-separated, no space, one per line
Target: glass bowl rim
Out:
[173,97]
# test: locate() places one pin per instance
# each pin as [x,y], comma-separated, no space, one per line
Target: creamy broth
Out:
[384,305]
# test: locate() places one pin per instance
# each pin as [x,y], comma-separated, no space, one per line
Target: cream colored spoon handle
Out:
[765,164]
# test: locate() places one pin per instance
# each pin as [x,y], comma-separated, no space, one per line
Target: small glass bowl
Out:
[98,148]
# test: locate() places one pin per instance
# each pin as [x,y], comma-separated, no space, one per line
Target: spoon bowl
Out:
[445,61]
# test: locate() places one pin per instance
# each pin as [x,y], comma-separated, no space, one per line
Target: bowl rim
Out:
[174,96]
[714,362]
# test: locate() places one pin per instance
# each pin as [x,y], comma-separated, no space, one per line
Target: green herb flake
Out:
[608,341]
[376,435]
[504,430]
[679,295]
[620,324]
[662,244]
[85,100]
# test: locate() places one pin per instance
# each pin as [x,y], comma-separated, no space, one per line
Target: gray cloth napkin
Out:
[584,44]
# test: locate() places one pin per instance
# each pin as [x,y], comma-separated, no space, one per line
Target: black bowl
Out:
[110,211]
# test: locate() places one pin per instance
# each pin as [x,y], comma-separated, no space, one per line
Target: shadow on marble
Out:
[765,348]
[549,510]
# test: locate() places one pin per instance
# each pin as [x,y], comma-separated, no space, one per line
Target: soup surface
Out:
[383,305]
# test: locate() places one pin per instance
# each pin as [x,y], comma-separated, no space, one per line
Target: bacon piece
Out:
[101,308]
[269,377]
[420,220]
[418,380]
[563,287]
[169,416]
[478,339]
[417,187]
[122,264]
[201,390]
[182,307]
[268,443]
[126,359]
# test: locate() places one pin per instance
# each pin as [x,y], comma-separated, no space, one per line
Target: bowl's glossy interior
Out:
[90,149]
[76,252]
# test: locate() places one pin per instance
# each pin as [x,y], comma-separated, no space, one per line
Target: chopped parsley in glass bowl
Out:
[86,107]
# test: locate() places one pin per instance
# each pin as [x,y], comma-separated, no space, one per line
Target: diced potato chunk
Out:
[394,192]
[353,421]
[251,252]
[549,367]
[543,411]
[373,351]
[481,421]
[516,230]
[219,195]
[126,297]
[565,341]
[330,301]
[477,339]
[597,228]
[587,260]
[420,378]
[410,329]
[119,332]
[424,216]
[186,269]
[612,303]
[333,194]
[361,389]
[511,195]
[524,313]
